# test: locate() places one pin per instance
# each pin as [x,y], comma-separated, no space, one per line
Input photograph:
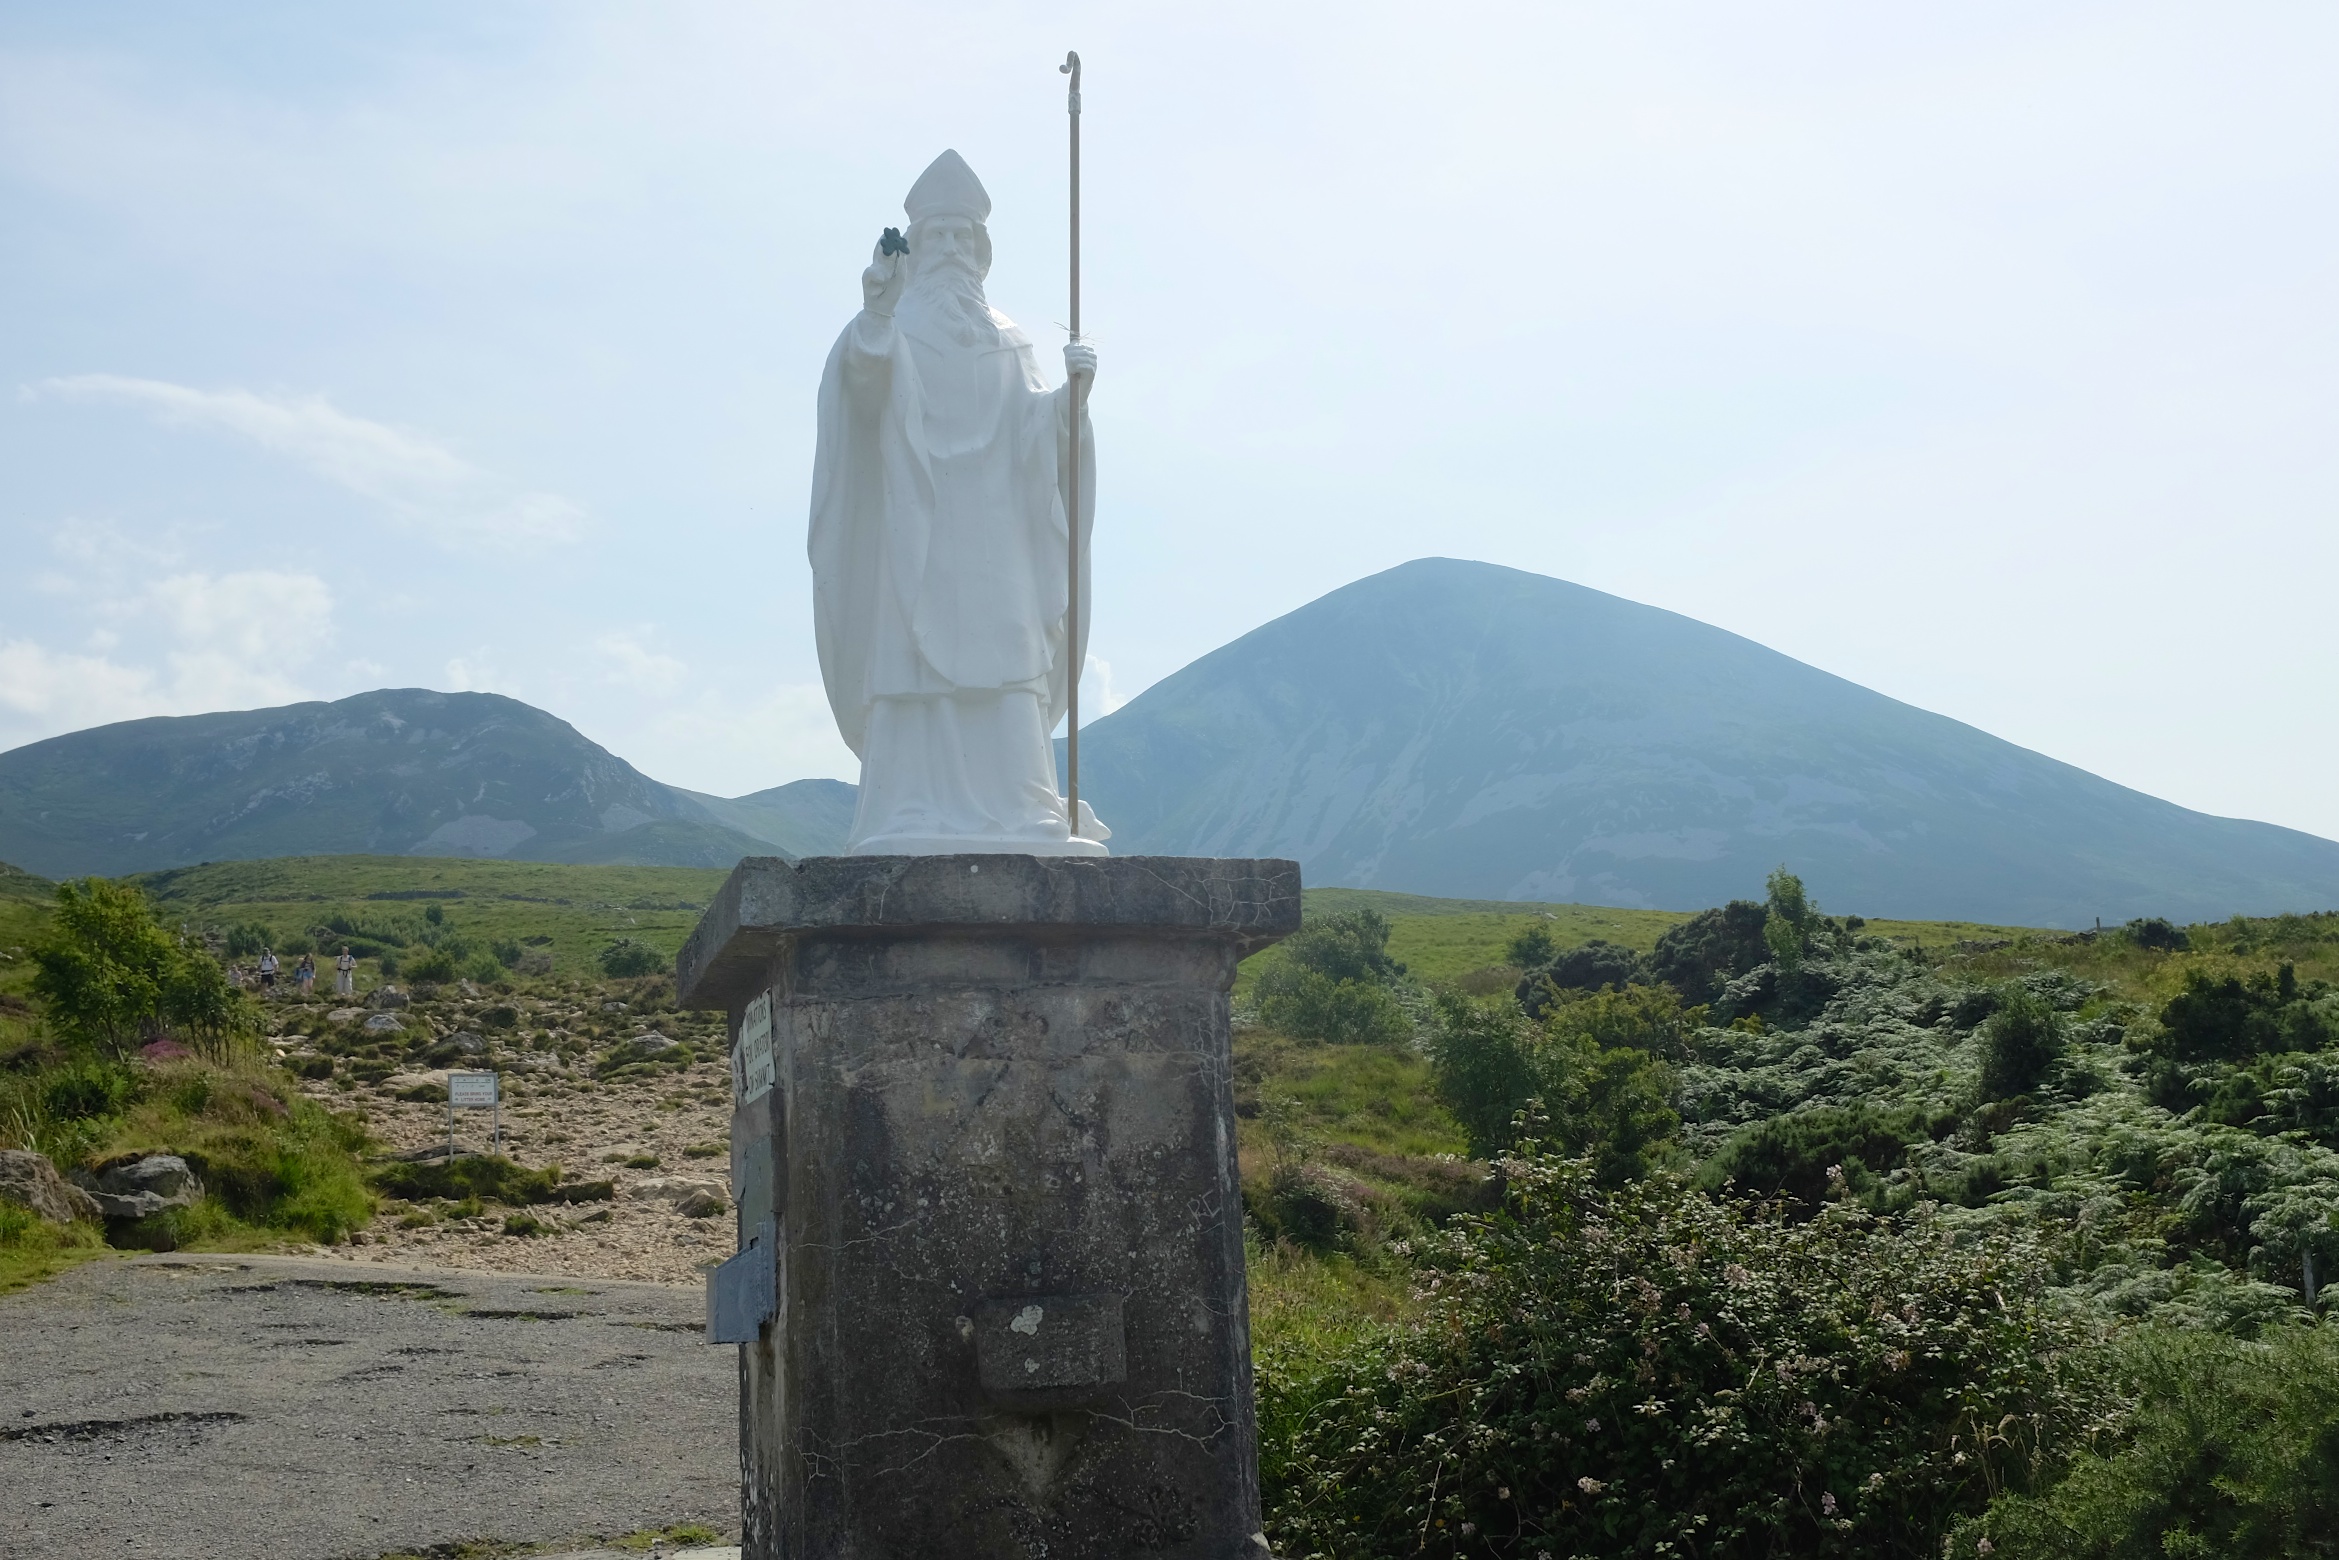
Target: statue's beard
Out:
[951,295]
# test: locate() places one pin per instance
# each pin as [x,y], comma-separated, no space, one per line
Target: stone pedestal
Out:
[991,1288]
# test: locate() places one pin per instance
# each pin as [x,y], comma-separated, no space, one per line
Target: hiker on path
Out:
[267,969]
[344,974]
[307,971]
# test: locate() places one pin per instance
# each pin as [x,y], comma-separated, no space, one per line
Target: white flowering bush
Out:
[1649,1371]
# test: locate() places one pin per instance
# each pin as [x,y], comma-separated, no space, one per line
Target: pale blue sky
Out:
[1984,354]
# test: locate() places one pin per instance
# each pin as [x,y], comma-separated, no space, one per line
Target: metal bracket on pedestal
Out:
[743,1293]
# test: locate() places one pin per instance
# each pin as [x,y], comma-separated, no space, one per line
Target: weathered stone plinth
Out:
[989,1168]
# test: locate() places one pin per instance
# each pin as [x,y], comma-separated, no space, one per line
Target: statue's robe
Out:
[939,582]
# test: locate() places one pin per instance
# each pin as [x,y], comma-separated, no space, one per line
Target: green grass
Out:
[31,1250]
[1446,939]
[580,910]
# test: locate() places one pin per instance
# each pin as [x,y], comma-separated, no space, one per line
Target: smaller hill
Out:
[801,818]
[400,771]
[18,884]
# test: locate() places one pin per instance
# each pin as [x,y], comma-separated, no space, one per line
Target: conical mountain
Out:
[1468,730]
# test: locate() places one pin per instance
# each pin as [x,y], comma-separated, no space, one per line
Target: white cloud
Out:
[227,641]
[63,692]
[1098,697]
[728,746]
[261,618]
[633,664]
[417,479]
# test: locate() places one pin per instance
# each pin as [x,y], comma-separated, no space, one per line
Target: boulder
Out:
[694,1197]
[29,1181]
[383,1024]
[141,1188]
[345,1015]
[406,1082]
[387,997]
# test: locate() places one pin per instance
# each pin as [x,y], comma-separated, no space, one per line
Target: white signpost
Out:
[752,1071]
[473,1091]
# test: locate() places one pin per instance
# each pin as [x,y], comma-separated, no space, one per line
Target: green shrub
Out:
[1648,1371]
[2231,1020]
[1532,948]
[1308,1004]
[86,1089]
[248,940]
[2153,932]
[2231,1451]
[490,1177]
[1353,945]
[2020,1043]
[628,957]
[1809,1155]
[436,965]
[1712,948]
[1491,1065]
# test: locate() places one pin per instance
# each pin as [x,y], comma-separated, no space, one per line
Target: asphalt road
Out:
[278,1408]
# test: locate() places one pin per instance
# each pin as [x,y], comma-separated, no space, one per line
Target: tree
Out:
[1788,920]
[112,977]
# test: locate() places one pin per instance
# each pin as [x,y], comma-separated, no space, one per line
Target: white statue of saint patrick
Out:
[939,547]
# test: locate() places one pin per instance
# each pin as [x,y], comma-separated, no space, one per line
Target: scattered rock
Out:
[463,1044]
[691,1196]
[651,1043]
[387,997]
[345,1015]
[613,1007]
[141,1188]
[469,990]
[30,1181]
[383,1024]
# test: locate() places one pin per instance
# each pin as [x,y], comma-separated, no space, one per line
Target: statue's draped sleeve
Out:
[873,513]
[872,508]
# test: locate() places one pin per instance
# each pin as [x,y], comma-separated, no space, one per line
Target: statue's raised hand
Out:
[881,284]
[1079,360]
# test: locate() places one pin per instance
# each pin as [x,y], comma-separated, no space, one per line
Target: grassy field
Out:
[576,911]
[1446,939]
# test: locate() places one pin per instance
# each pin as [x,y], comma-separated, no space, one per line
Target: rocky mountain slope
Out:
[401,771]
[1467,730]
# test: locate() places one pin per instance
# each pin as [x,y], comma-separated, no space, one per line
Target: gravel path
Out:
[241,1407]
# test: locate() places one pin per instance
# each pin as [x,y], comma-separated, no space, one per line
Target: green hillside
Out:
[571,911]
[399,771]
